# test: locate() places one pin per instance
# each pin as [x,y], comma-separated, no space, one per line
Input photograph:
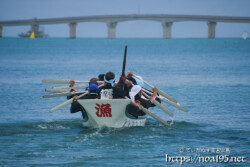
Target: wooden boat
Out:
[109,113]
[114,112]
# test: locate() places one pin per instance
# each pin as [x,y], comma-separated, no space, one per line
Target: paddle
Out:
[52,81]
[63,89]
[51,90]
[63,94]
[124,61]
[168,101]
[75,87]
[120,84]
[159,105]
[152,115]
[66,103]
[159,91]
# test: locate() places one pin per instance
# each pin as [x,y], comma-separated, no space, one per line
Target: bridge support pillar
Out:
[1,31]
[112,29]
[35,28]
[72,30]
[211,29]
[167,26]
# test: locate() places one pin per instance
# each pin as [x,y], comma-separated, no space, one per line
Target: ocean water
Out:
[209,77]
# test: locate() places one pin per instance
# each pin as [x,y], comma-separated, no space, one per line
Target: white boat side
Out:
[109,113]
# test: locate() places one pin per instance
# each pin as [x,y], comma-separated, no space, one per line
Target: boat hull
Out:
[109,113]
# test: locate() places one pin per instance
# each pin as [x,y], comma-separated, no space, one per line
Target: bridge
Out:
[112,21]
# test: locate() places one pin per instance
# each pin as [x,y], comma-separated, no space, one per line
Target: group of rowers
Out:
[105,88]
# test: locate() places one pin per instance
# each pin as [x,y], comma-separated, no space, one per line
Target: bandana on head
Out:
[92,87]
[110,81]
[134,91]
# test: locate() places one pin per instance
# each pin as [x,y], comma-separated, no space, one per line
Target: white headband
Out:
[134,91]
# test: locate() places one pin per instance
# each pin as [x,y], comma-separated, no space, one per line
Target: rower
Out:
[93,81]
[126,83]
[72,90]
[101,78]
[72,83]
[92,94]
[135,95]
[108,91]
[140,83]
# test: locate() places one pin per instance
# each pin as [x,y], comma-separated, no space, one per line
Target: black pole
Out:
[124,61]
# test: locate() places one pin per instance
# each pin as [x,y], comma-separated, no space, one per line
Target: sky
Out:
[29,9]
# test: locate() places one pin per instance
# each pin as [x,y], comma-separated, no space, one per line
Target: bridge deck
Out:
[122,18]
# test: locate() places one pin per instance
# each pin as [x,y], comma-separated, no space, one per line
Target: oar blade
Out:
[62,94]
[75,87]
[52,81]
[65,103]
[163,108]
[51,90]
[155,117]
[62,105]
[63,89]
[166,96]
[174,104]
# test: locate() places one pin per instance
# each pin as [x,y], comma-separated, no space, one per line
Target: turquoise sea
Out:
[209,77]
